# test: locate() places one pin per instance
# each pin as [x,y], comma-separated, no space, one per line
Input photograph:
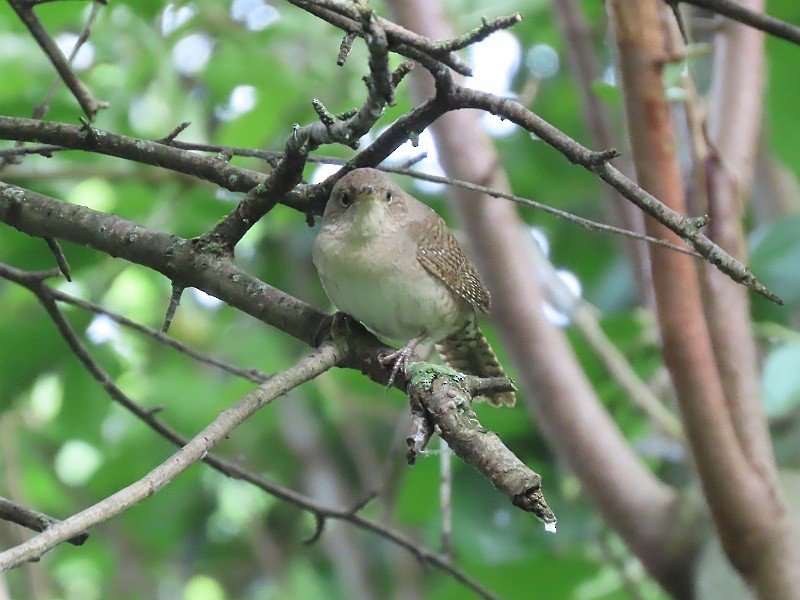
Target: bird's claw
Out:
[401,359]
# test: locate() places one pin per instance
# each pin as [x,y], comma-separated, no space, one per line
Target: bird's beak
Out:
[365,192]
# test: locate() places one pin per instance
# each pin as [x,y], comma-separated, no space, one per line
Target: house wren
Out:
[389,261]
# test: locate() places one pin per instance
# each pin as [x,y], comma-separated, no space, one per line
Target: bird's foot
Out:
[337,325]
[401,359]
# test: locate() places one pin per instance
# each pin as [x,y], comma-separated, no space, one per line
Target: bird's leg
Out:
[401,358]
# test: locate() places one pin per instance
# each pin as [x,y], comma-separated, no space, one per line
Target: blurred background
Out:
[243,72]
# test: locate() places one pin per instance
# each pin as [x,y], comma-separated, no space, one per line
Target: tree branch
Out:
[443,397]
[313,200]
[749,513]
[593,161]
[33,519]
[310,366]
[84,97]
[725,165]
[742,14]
[179,259]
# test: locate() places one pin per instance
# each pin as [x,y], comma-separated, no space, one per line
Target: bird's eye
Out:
[345,199]
[389,196]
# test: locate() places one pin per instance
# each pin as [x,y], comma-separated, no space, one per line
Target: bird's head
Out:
[366,200]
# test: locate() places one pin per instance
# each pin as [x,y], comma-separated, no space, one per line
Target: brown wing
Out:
[443,257]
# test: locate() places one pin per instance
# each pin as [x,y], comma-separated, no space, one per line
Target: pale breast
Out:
[389,292]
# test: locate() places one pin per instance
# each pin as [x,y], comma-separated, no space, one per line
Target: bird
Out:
[388,260]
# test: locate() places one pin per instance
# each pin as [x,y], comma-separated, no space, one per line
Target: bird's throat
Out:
[370,220]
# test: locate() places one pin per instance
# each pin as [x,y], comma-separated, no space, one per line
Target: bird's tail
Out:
[468,351]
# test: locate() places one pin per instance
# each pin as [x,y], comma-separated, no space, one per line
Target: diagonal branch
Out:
[82,94]
[33,519]
[735,11]
[308,367]
[684,226]
[12,274]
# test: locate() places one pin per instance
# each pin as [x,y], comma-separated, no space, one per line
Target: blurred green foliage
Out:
[204,537]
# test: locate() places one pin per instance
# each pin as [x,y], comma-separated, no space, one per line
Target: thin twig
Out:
[253,375]
[587,223]
[33,519]
[170,137]
[308,367]
[7,156]
[43,107]
[82,94]
[61,259]
[487,28]
[737,12]
[45,150]
[174,302]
